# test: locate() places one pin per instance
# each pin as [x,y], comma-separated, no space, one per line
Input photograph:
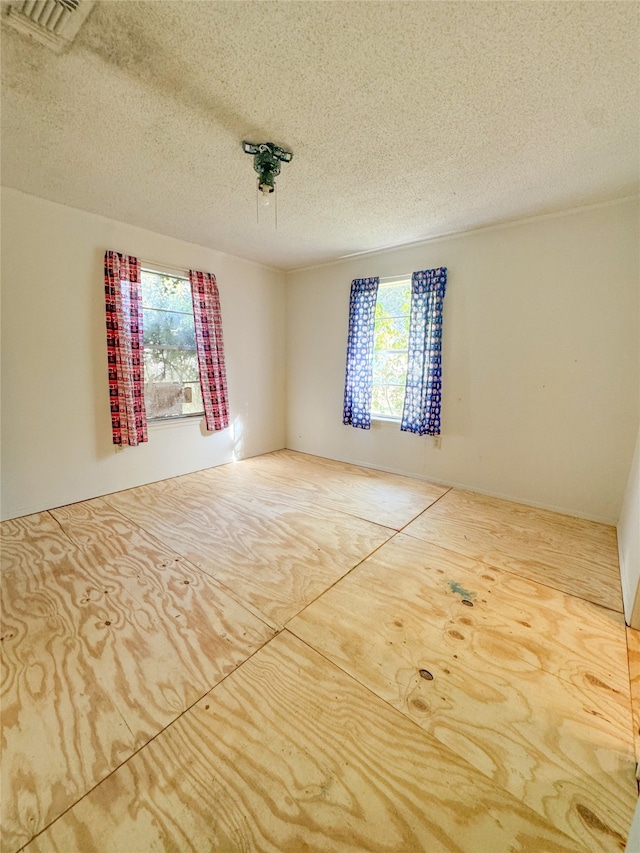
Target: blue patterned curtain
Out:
[421,412]
[357,387]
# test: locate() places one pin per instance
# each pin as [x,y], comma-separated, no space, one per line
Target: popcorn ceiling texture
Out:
[407,120]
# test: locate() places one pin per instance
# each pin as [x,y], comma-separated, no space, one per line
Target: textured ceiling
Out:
[407,120]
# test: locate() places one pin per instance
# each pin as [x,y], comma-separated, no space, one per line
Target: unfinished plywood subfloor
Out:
[104,643]
[292,752]
[576,556]
[549,721]
[633,643]
[275,556]
[387,499]
[289,754]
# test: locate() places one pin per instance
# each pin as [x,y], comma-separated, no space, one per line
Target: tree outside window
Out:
[172,384]
[391,341]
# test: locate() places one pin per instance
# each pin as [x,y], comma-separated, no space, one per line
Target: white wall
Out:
[540,361]
[629,542]
[633,841]
[56,429]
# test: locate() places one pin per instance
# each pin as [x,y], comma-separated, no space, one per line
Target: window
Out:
[171,378]
[395,344]
[391,341]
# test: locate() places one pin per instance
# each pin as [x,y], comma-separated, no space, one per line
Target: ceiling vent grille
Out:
[54,23]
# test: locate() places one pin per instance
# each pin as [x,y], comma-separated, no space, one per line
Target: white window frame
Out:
[384,283]
[183,275]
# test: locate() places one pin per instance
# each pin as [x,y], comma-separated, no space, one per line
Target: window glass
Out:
[391,341]
[172,385]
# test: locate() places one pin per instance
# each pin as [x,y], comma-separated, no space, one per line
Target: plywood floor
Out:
[293,654]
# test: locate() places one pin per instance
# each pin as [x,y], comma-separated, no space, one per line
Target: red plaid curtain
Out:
[123,300]
[210,348]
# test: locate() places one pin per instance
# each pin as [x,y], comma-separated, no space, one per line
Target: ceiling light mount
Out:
[267,158]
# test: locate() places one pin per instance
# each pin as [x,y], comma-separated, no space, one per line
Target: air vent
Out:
[54,23]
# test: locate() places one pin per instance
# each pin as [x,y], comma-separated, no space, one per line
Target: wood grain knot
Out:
[456,635]
[593,821]
[419,705]
[424,673]
[597,683]
[186,581]
[467,602]
[107,622]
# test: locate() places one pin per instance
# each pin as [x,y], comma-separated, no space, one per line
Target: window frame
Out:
[385,283]
[182,275]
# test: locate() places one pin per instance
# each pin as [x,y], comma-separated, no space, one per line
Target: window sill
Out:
[381,419]
[165,423]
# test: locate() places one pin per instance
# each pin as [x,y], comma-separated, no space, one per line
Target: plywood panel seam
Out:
[144,745]
[605,574]
[371,472]
[271,765]
[426,509]
[184,560]
[407,718]
[74,545]
[574,555]
[364,518]
[277,559]
[356,627]
[502,713]
[514,572]
[300,503]
[334,662]
[338,580]
[266,620]
[198,570]
[380,698]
